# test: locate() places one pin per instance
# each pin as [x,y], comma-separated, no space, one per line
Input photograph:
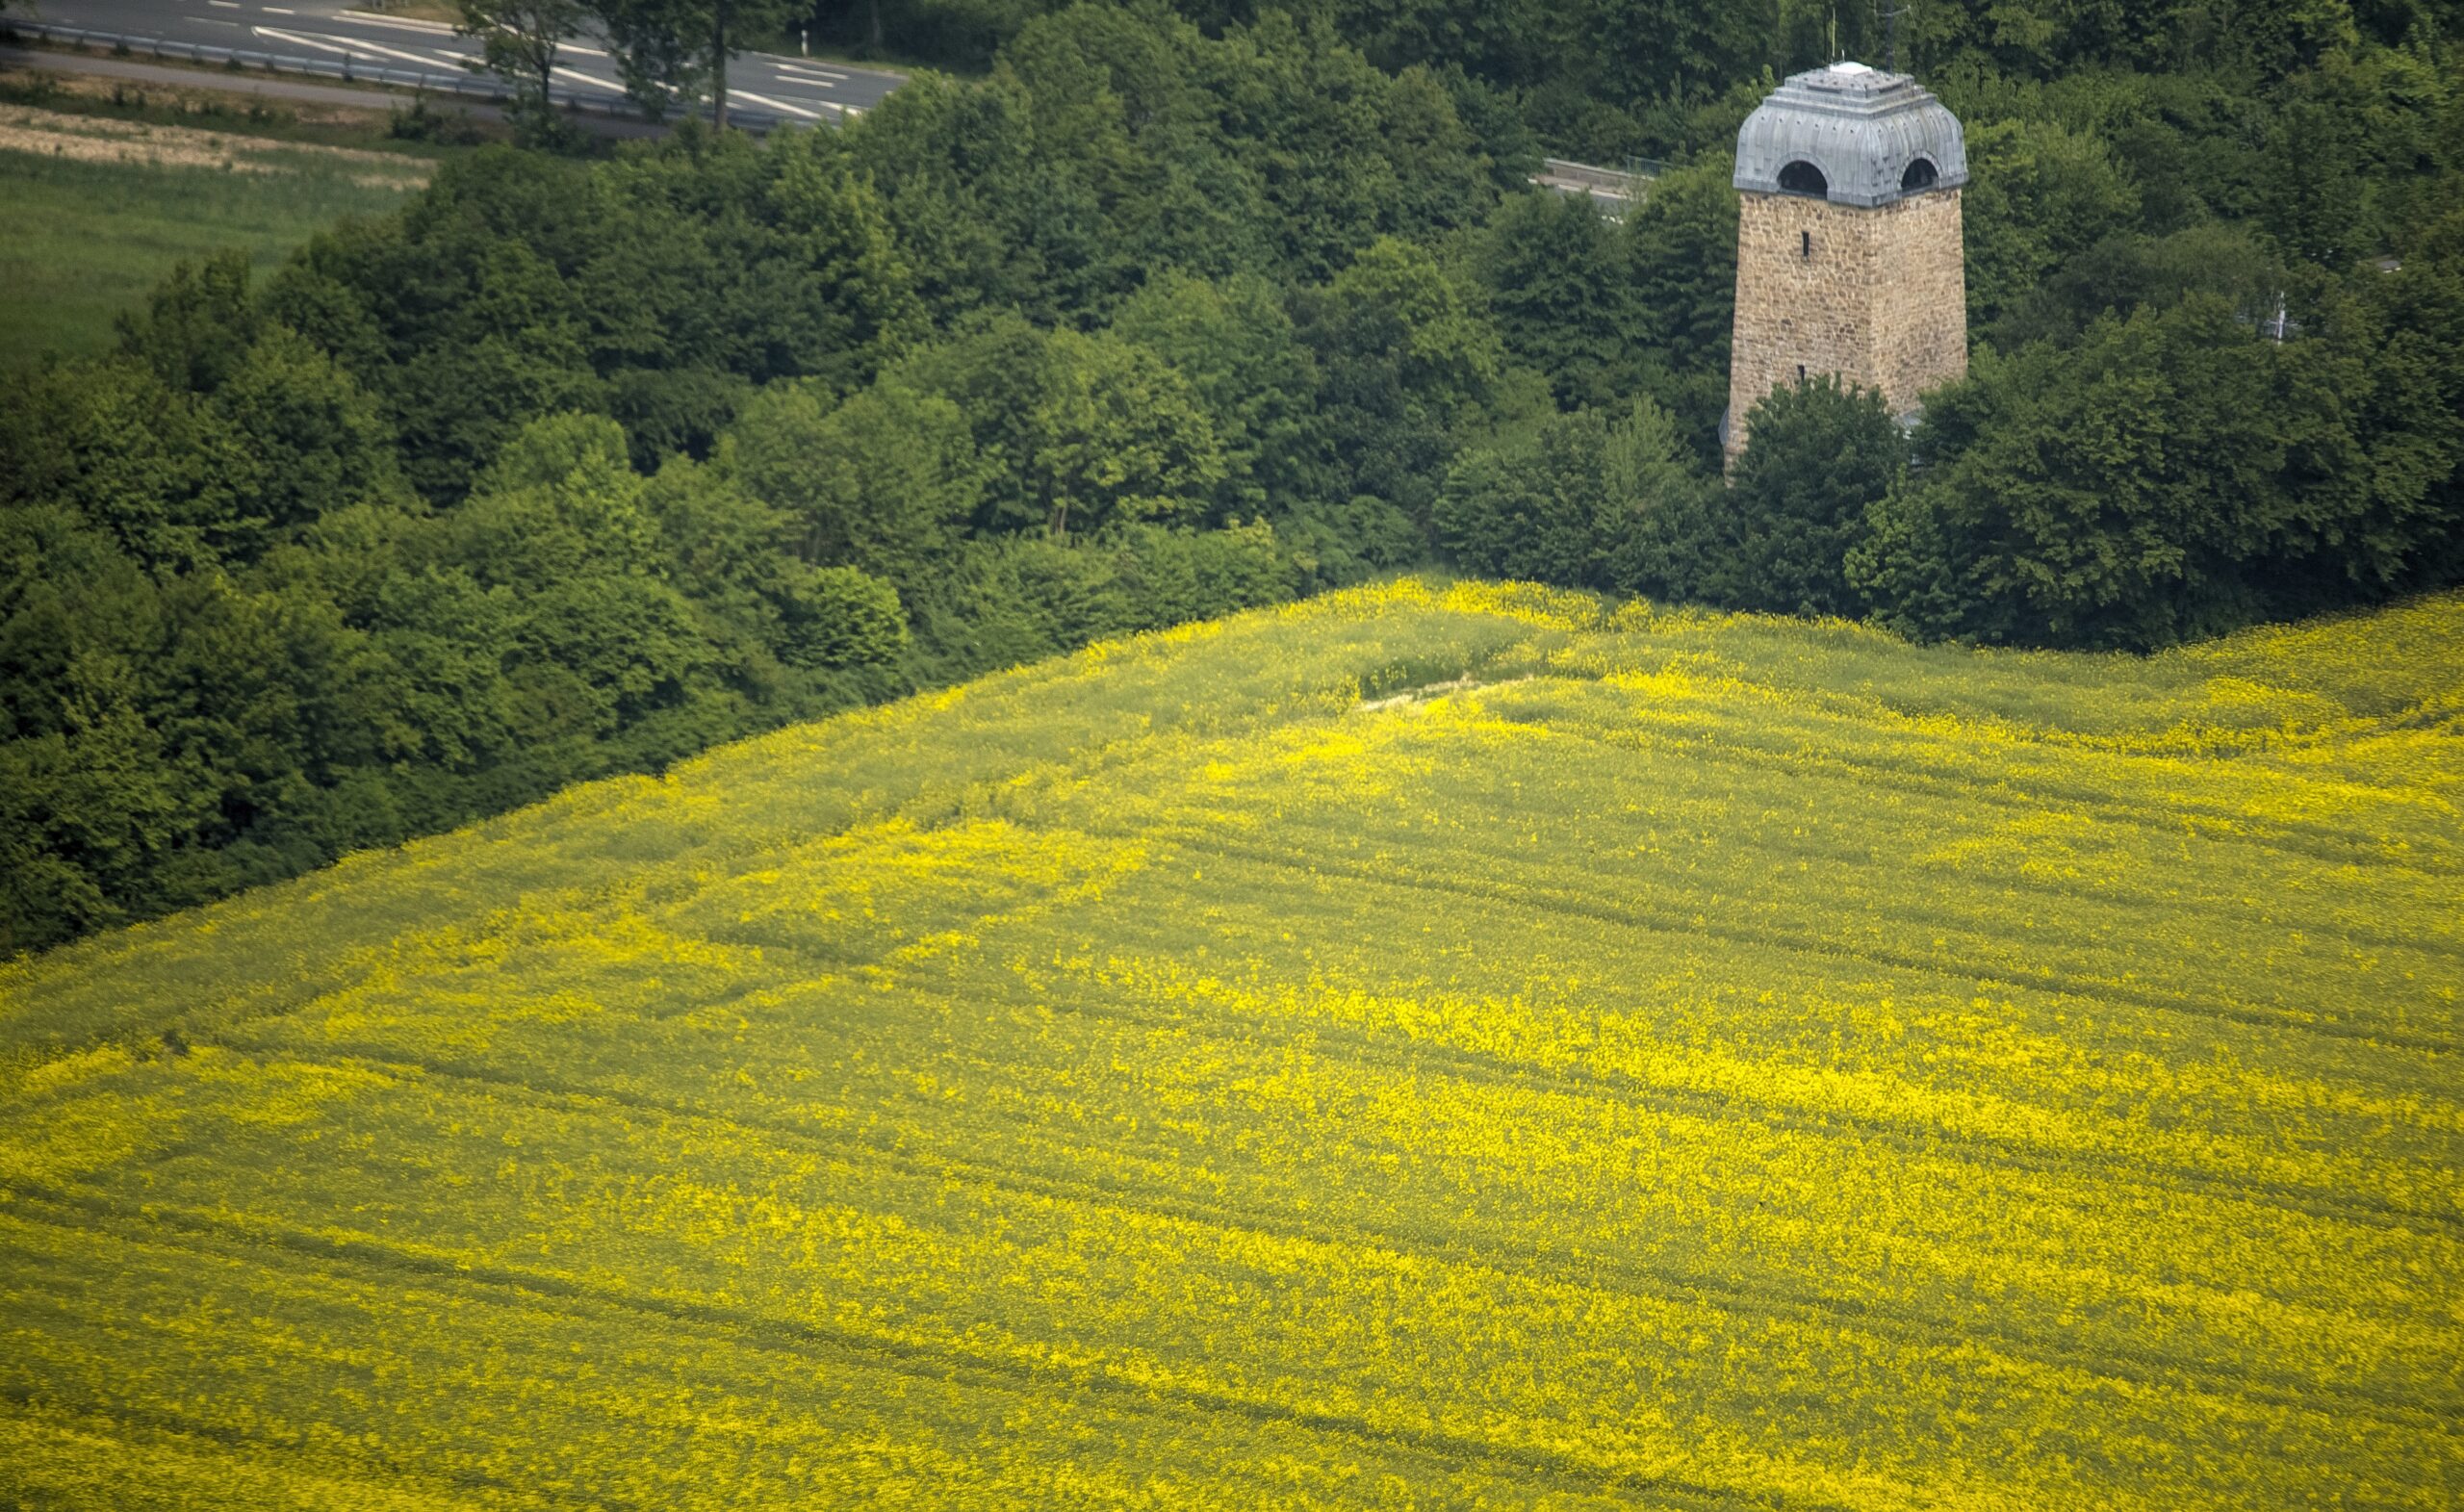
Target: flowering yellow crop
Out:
[1433,1045]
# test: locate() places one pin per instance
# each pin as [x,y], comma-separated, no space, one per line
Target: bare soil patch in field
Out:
[100,138]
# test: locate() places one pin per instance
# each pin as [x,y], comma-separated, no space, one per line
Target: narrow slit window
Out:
[1801,372]
[1805,244]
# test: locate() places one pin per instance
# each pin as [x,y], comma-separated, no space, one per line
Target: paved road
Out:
[323,33]
[272,87]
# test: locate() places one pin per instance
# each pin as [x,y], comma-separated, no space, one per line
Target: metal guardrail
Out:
[1586,175]
[469,84]
[1611,191]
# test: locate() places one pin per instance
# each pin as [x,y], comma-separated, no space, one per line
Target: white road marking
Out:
[775,105]
[354,48]
[275,9]
[224,5]
[583,78]
[811,75]
[402,21]
[435,28]
[428,60]
[298,41]
[306,41]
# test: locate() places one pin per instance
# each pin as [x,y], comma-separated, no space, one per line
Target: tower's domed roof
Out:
[1870,137]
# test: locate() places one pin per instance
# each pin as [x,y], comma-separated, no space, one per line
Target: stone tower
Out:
[1848,255]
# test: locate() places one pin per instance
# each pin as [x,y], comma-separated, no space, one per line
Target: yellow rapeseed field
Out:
[1429,1046]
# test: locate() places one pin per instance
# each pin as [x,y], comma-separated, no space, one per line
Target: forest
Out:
[583,464]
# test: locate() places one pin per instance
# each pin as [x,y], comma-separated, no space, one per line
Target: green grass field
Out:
[83,241]
[1421,1048]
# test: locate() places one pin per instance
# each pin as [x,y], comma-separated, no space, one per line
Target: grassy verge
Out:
[788,42]
[395,123]
[110,184]
[86,239]
[785,45]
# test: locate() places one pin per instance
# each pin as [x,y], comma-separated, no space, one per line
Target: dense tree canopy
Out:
[2177,473]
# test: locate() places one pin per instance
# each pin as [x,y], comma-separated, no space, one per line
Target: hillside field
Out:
[1426,1046]
[100,210]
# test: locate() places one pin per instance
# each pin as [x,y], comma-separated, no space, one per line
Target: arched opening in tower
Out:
[1921,174]
[1801,177]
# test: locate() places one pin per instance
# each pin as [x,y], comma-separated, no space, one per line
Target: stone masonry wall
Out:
[1878,297]
[1920,298]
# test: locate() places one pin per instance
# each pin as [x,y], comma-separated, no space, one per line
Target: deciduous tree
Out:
[518,40]
[1818,456]
[670,51]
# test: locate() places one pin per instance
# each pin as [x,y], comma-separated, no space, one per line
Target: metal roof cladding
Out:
[1861,127]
